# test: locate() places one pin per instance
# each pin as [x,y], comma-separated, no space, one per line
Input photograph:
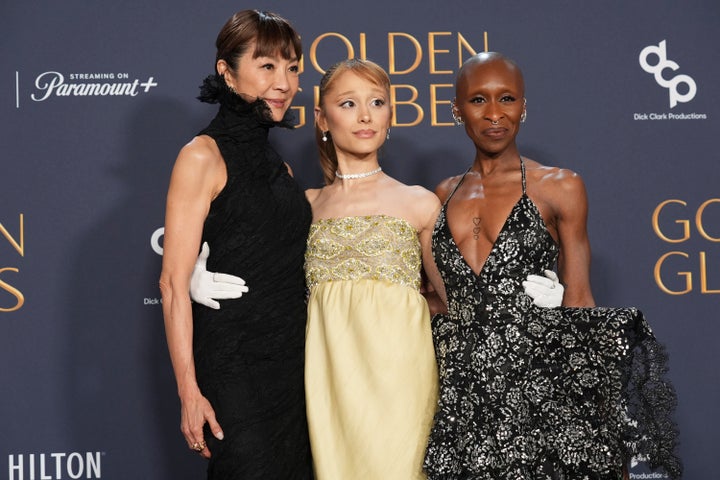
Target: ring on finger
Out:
[199,446]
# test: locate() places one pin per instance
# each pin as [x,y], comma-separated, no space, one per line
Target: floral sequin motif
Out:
[349,227]
[376,247]
[530,393]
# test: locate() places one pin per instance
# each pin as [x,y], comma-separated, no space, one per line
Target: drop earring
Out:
[456,118]
[387,136]
[523,116]
[324,136]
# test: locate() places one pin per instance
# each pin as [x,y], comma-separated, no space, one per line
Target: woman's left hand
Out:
[545,291]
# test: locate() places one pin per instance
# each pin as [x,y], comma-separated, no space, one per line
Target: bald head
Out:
[494,59]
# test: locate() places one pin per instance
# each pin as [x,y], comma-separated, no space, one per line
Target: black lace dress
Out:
[530,393]
[249,355]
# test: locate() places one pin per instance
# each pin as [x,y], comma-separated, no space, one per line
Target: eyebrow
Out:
[354,92]
[275,57]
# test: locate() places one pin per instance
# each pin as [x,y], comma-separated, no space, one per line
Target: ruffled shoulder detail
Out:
[215,90]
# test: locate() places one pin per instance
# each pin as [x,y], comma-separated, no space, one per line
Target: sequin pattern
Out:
[529,393]
[376,247]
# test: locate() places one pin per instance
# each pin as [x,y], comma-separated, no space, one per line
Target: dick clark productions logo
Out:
[663,63]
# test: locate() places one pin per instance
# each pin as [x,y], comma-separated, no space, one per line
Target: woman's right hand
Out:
[209,287]
[195,412]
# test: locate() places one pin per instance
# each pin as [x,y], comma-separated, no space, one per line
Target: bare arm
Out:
[570,200]
[431,208]
[434,292]
[442,191]
[197,177]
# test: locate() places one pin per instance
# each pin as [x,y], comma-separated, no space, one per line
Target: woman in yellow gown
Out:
[370,370]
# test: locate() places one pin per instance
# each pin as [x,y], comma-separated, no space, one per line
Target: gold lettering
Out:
[392,70]
[316,42]
[432,51]
[301,115]
[656,223]
[13,291]
[363,46]
[20,247]
[434,102]
[316,96]
[703,275]
[397,103]
[699,222]
[464,45]
[658,275]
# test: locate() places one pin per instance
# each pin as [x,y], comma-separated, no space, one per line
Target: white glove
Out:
[545,291]
[208,287]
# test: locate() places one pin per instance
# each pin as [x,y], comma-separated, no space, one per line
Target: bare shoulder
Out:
[553,180]
[558,192]
[417,204]
[419,193]
[312,194]
[413,195]
[201,152]
[199,169]
[443,189]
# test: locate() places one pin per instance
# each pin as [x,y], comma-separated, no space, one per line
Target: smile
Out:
[275,103]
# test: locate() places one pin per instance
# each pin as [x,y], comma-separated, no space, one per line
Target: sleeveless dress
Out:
[531,393]
[370,371]
[249,355]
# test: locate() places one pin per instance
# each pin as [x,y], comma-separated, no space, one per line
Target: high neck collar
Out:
[215,90]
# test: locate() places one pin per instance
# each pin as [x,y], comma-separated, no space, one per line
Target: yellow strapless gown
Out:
[370,370]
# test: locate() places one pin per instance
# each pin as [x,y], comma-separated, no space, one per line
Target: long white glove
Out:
[545,291]
[208,287]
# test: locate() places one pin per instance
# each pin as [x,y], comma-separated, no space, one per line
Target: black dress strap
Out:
[522,170]
[457,186]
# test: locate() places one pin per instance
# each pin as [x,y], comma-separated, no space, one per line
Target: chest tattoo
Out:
[476,227]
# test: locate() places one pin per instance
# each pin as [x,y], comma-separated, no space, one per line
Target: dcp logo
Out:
[662,64]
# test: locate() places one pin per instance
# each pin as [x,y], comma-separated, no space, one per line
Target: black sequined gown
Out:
[249,355]
[530,393]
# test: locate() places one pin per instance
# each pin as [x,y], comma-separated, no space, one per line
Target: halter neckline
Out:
[522,170]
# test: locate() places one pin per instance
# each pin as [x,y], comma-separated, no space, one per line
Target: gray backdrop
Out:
[87,387]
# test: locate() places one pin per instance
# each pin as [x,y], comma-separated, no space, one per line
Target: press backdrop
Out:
[96,99]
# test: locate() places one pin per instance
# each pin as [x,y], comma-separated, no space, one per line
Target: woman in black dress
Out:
[568,393]
[239,370]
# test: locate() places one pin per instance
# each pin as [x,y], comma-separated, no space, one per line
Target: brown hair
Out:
[366,69]
[270,32]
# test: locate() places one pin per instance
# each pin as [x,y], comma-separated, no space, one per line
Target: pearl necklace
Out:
[354,176]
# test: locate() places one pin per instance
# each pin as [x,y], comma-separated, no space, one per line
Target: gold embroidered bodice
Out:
[376,247]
